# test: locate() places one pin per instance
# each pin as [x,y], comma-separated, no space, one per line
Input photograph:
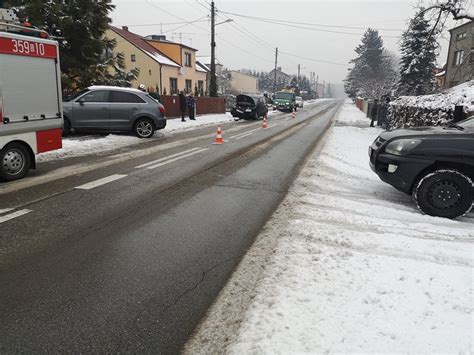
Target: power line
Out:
[305,28]
[185,25]
[168,23]
[307,23]
[314,59]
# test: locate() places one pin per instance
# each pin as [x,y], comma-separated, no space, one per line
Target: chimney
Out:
[125,28]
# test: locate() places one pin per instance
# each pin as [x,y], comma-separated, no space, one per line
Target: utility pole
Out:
[275,73]
[299,68]
[317,86]
[324,88]
[213,80]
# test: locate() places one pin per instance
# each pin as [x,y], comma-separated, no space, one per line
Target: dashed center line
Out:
[13,215]
[244,135]
[101,182]
[165,158]
[5,210]
[176,159]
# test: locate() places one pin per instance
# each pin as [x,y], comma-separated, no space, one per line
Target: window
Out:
[96,96]
[125,97]
[133,58]
[458,57]
[187,59]
[189,86]
[173,86]
[472,55]
[461,36]
[149,72]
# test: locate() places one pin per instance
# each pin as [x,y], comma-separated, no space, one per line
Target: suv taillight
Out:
[162,109]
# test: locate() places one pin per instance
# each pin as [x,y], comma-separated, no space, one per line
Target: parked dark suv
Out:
[113,109]
[249,107]
[433,164]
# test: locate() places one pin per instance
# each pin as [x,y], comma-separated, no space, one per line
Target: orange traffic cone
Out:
[264,122]
[293,114]
[219,139]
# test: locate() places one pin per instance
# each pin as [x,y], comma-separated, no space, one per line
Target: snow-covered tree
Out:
[418,61]
[83,24]
[373,74]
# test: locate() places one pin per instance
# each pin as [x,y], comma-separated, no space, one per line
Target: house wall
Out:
[150,70]
[177,52]
[458,74]
[241,83]
[172,50]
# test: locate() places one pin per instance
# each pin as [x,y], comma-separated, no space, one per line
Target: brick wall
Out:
[204,105]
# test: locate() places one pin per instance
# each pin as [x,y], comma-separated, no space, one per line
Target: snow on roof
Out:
[143,45]
[461,95]
[202,68]
[162,59]
[105,87]
[206,60]
[441,73]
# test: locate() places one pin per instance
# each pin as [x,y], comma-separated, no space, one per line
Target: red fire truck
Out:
[30,98]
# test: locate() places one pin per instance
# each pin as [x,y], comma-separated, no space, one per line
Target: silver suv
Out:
[113,109]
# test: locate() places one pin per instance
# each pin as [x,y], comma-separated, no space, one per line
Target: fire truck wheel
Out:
[15,162]
[66,127]
[144,128]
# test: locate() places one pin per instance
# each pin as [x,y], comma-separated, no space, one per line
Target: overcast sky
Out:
[247,43]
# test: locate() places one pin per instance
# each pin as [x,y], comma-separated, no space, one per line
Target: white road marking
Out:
[165,158]
[245,135]
[101,182]
[5,210]
[13,215]
[176,159]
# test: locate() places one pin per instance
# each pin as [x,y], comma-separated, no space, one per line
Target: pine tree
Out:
[83,24]
[373,73]
[418,62]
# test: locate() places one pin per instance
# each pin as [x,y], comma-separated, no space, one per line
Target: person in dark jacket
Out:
[182,105]
[373,112]
[191,105]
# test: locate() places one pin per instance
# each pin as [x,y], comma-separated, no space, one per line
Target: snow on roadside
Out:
[354,268]
[82,145]
[95,144]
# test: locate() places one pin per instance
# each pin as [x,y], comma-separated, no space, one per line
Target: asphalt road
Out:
[131,263]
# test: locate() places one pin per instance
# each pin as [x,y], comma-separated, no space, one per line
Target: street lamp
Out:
[220,23]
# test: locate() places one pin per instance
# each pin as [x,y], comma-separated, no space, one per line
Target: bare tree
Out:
[440,10]
[384,82]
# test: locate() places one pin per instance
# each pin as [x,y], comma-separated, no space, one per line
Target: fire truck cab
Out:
[30,99]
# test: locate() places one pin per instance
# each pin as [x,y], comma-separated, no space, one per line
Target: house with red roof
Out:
[158,72]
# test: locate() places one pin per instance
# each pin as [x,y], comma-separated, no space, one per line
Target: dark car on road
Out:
[433,164]
[113,109]
[249,107]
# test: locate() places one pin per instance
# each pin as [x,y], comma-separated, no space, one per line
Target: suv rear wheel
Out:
[15,162]
[444,193]
[66,127]
[144,128]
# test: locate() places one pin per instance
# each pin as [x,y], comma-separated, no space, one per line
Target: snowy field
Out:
[82,145]
[348,264]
